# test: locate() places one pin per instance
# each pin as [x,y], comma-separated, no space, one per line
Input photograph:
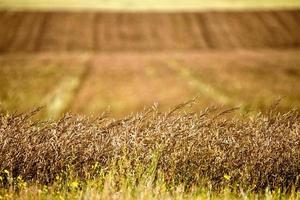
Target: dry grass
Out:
[212,148]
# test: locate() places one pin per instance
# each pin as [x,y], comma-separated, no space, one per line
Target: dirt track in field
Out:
[87,31]
[130,60]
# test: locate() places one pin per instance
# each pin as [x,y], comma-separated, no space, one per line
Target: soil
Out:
[130,60]
[119,31]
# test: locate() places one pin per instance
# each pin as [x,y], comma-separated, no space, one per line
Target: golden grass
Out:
[161,155]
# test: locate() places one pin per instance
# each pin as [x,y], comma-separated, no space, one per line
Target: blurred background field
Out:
[102,57]
[93,84]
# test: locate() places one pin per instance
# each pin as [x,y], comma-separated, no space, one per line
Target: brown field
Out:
[175,77]
[125,61]
[127,82]
[88,31]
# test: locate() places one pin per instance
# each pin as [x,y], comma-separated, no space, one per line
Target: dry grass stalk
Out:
[188,148]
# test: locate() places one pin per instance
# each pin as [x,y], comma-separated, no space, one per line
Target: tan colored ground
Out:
[87,62]
[127,82]
[38,80]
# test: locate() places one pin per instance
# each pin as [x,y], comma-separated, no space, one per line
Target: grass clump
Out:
[153,152]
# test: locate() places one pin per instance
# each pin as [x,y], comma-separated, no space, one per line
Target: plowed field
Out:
[87,61]
[113,31]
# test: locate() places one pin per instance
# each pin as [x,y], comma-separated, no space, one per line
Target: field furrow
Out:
[278,34]
[119,31]
[81,26]
[195,31]
[10,26]
[289,23]
[111,28]
[207,35]
[55,34]
[24,40]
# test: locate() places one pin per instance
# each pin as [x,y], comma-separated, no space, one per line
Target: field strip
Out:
[86,74]
[205,88]
[59,100]
[63,97]
[202,87]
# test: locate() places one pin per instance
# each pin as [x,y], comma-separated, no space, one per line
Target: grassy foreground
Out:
[212,154]
[110,188]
